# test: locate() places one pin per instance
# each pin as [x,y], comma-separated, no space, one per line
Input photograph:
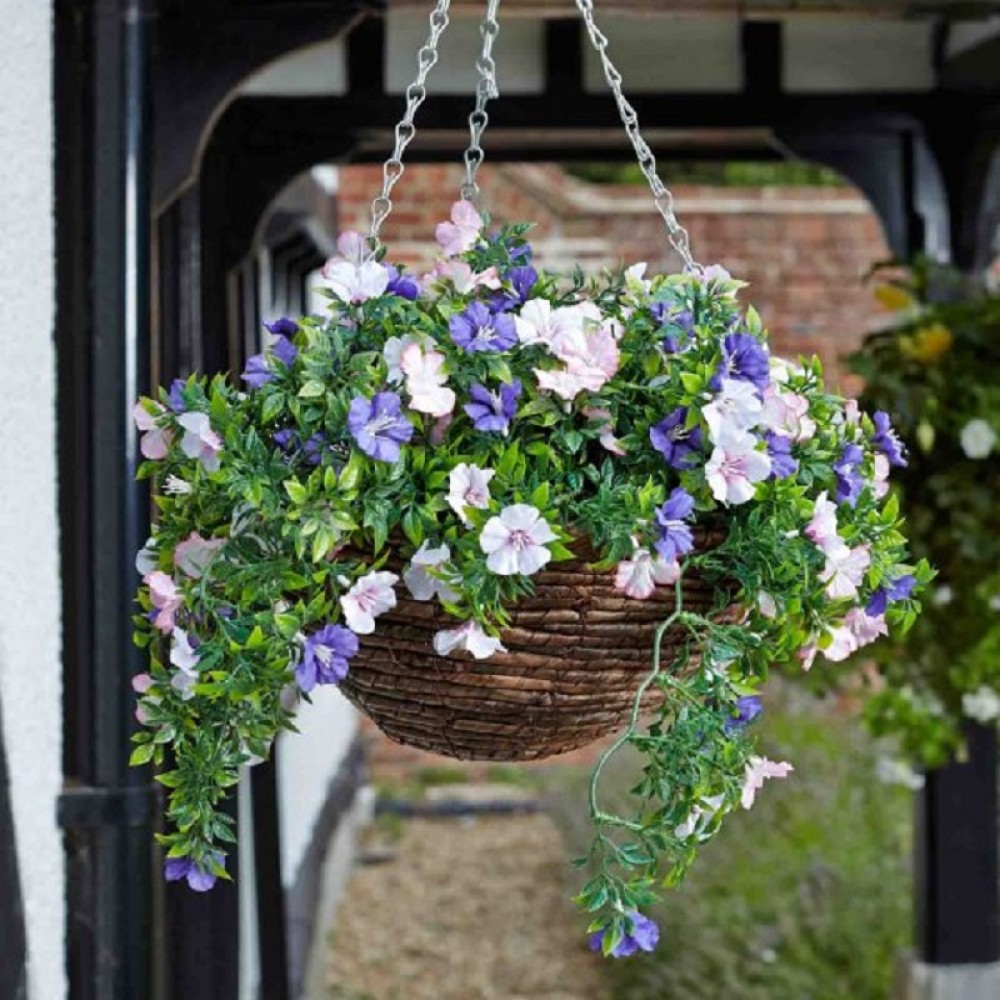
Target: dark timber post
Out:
[103,141]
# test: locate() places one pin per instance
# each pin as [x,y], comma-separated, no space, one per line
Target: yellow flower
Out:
[930,342]
[893,297]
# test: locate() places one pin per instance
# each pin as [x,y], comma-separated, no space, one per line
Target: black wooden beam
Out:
[763,57]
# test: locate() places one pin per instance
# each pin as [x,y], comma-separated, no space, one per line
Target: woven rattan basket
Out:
[577,651]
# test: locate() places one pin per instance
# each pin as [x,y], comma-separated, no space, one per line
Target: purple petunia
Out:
[743,358]
[283,348]
[174,399]
[283,327]
[326,657]
[477,329]
[378,426]
[257,371]
[748,708]
[675,536]
[898,590]
[642,935]
[779,449]
[403,285]
[199,878]
[886,440]
[678,444]
[493,411]
[850,481]
[286,439]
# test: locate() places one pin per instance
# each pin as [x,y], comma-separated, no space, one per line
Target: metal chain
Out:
[486,90]
[662,198]
[405,130]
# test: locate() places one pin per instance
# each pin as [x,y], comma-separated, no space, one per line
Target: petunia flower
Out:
[864,627]
[637,577]
[471,638]
[393,349]
[565,384]
[469,486]
[145,559]
[743,358]
[426,381]
[422,585]
[477,329]
[606,431]
[539,323]
[165,598]
[462,232]
[462,277]
[590,351]
[326,656]
[759,769]
[403,285]
[195,553]
[184,656]
[779,450]
[352,246]
[886,440]
[368,598]
[880,477]
[155,441]
[748,707]
[355,283]
[897,590]
[675,538]
[493,410]
[679,444]
[378,426]
[257,372]
[175,398]
[515,542]
[786,413]
[735,407]
[844,571]
[642,935]
[199,878]
[736,466]
[200,441]
[822,528]
[847,469]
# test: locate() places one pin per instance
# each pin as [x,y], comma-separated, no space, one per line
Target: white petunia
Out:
[418,579]
[515,542]
[736,407]
[370,597]
[736,466]
[469,486]
[469,637]
[822,529]
[637,577]
[354,283]
[844,570]
[425,381]
[759,769]
[393,349]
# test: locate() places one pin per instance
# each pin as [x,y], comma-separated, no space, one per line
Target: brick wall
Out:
[805,251]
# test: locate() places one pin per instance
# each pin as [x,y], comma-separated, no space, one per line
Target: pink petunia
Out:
[590,352]
[759,769]
[565,384]
[155,441]
[355,283]
[539,323]
[425,381]
[460,234]
[786,413]
[471,638]
[193,554]
[462,277]
[370,597]
[735,467]
[165,598]
[822,529]
[200,441]
[515,542]
[637,577]
[606,431]
[352,247]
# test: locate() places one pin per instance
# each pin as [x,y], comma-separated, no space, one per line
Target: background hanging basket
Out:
[577,651]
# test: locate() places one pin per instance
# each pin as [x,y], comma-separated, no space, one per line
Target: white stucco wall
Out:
[30,669]
[307,763]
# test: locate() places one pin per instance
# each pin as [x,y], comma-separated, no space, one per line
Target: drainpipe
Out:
[107,809]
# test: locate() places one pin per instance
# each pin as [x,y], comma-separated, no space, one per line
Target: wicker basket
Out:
[578,650]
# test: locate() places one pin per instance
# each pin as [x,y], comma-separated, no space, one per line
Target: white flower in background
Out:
[637,577]
[418,579]
[942,596]
[735,407]
[994,602]
[983,704]
[469,486]
[370,597]
[515,542]
[425,381]
[469,637]
[898,772]
[736,466]
[844,570]
[977,439]
[759,769]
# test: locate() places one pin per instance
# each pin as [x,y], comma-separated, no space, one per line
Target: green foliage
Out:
[728,174]
[936,369]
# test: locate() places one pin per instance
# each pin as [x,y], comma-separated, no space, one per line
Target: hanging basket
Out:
[578,650]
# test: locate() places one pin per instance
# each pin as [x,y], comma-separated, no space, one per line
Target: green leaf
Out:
[142,754]
[312,389]
[296,491]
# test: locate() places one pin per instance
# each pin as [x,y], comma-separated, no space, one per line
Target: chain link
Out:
[405,130]
[662,198]
[486,90]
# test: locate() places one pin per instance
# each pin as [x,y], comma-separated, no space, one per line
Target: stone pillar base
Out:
[916,980]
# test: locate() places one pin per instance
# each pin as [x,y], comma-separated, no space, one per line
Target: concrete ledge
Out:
[916,980]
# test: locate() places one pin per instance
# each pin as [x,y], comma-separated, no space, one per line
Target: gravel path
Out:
[468,909]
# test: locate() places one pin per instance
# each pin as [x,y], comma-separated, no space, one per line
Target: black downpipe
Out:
[107,808]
